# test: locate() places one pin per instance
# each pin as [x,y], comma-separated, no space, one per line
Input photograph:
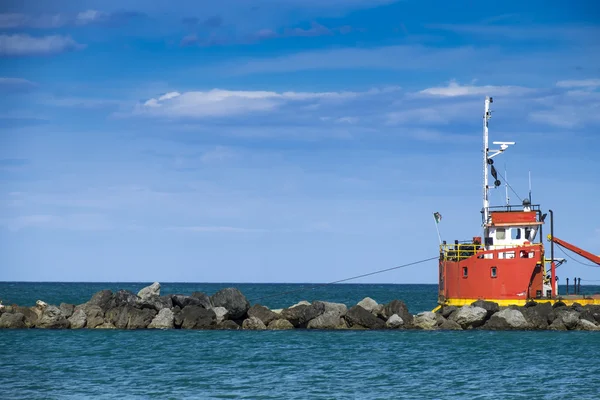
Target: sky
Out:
[288,140]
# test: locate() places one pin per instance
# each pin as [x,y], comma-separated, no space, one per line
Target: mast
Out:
[486,116]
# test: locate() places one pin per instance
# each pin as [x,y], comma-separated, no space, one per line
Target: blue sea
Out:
[301,364]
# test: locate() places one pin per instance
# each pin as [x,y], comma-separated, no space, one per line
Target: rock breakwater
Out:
[229,309]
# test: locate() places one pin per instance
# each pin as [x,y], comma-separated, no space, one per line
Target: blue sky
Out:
[284,141]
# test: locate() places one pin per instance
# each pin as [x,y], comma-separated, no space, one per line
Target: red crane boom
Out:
[586,254]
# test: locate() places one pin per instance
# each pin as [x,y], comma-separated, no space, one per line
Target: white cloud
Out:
[217,229]
[50,221]
[218,102]
[89,16]
[454,89]
[583,83]
[25,45]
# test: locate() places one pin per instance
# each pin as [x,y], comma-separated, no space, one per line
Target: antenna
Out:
[529,187]
[506,186]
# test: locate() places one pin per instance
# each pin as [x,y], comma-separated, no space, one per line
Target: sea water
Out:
[299,364]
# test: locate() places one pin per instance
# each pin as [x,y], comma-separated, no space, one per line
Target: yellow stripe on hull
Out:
[518,302]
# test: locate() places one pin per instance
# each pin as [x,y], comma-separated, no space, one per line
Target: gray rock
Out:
[52,318]
[253,324]
[94,314]
[338,308]
[197,317]
[128,317]
[426,320]
[228,324]
[359,317]
[327,320]
[156,303]
[399,308]
[507,319]
[568,317]
[299,316]
[12,321]
[233,300]
[557,325]
[150,291]
[446,311]
[162,320]
[31,316]
[101,299]
[78,319]
[262,313]
[585,325]
[221,314]
[394,322]
[449,325]
[469,317]
[489,306]
[204,299]
[538,315]
[124,298]
[280,324]
[182,301]
[591,312]
[368,304]
[67,309]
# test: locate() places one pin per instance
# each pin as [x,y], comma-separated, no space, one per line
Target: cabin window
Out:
[500,234]
[515,233]
[493,272]
[530,234]
[465,272]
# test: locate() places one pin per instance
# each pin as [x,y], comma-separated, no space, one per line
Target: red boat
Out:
[509,266]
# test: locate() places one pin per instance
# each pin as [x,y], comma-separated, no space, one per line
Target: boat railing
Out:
[462,250]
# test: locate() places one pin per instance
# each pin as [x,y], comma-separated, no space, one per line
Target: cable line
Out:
[344,280]
[577,261]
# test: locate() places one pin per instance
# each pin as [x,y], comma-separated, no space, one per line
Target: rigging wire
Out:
[344,280]
[577,261]
[508,184]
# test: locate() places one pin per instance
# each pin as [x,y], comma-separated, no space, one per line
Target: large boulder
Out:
[52,318]
[221,314]
[156,303]
[197,317]
[204,299]
[124,298]
[233,300]
[327,320]
[280,324]
[447,311]
[102,299]
[78,319]
[150,291]
[229,325]
[591,313]
[359,317]
[182,301]
[399,308]
[299,316]
[489,306]
[12,321]
[469,317]
[426,320]
[129,317]
[538,315]
[568,317]
[394,322]
[162,320]
[449,325]
[94,314]
[67,309]
[253,324]
[369,304]
[338,308]
[585,325]
[507,319]
[262,313]
[31,316]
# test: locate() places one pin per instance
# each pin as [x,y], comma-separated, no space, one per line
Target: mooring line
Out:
[344,280]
